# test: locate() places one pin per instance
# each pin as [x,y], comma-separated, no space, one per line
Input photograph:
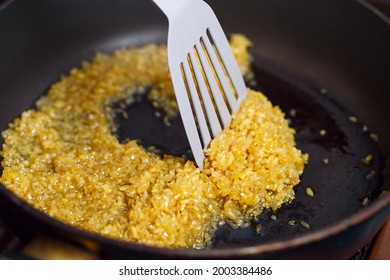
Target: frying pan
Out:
[326,63]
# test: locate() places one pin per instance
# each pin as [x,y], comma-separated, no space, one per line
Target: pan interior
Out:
[335,140]
[338,172]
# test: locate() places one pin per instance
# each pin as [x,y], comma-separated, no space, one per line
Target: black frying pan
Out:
[327,59]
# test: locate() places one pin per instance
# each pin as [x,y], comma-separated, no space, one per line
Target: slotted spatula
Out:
[207,81]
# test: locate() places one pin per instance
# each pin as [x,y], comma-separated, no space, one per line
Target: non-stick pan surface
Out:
[325,63]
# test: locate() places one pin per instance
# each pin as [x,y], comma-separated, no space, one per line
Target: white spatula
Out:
[207,81]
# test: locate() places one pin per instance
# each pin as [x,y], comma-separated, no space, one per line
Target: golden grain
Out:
[309,191]
[367,160]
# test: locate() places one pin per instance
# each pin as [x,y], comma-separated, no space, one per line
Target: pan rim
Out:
[374,10]
[5,3]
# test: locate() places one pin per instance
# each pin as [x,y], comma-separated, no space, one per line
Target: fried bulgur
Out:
[63,158]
